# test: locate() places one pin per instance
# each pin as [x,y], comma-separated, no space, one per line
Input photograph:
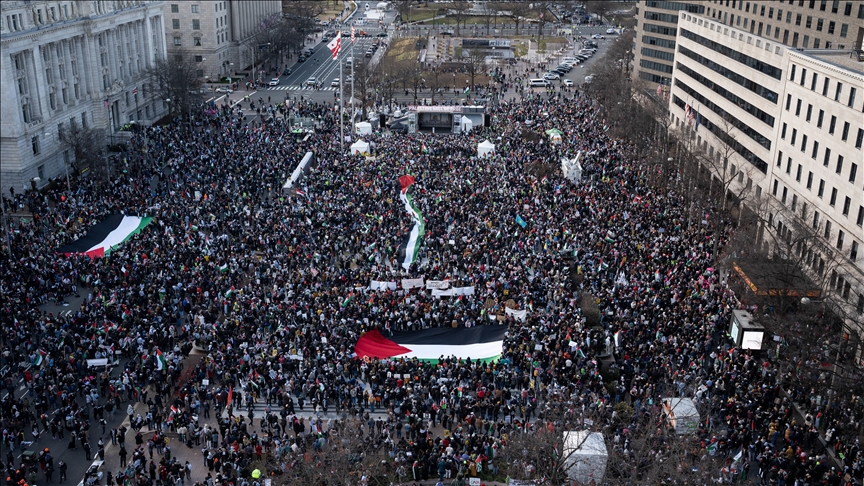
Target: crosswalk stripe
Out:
[299,88]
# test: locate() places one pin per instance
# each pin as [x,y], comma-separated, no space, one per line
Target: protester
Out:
[273,288]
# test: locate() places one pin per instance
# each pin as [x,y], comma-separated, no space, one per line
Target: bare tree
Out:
[542,14]
[475,63]
[519,11]
[176,81]
[85,143]
[459,11]
[403,9]
[598,7]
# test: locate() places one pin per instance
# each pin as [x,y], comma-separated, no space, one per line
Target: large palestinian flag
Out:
[106,235]
[410,245]
[480,343]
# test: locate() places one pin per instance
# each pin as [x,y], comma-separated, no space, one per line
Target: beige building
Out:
[793,120]
[817,24]
[219,35]
[71,63]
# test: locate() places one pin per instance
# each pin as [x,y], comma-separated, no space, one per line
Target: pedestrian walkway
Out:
[295,87]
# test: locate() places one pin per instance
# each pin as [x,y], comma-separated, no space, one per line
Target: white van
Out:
[572,60]
[538,82]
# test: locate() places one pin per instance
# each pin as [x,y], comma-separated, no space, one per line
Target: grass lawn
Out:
[330,9]
[402,49]
[419,15]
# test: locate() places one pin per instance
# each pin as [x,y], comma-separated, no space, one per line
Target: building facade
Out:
[816,24]
[222,37]
[68,64]
[793,121]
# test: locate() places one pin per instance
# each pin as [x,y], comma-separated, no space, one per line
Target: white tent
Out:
[485,148]
[681,414]
[571,168]
[466,124]
[359,147]
[363,128]
[381,6]
[585,456]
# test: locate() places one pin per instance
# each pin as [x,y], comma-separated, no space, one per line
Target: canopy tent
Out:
[359,147]
[363,128]
[106,235]
[485,148]
[466,124]
[681,414]
[585,456]
[571,168]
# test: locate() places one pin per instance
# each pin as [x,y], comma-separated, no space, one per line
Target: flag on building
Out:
[659,90]
[335,44]
[135,90]
[690,116]
[480,343]
[410,245]
[698,120]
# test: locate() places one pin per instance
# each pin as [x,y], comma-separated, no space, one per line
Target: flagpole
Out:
[341,110]
[352,79]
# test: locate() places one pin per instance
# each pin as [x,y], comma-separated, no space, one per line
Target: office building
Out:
[794,121]
[816,24]
[223,37]
[68,64]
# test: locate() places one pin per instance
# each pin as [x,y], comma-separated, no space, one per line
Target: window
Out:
[803,77]
[819,24]
[845,134]
[809,112]
[788,101]
[175,24]
[835,6]
[840,236]
[794,201]
[194,8]
[41,171]
[827,157]
[860,220]
[809,180]
[798,108]
[833,200]
[821,117]
[815,149]
[196,41]
[788,165]
[821,190]
[798,19]
[847,202]
[848,10]
[813,81]
[832,125]
[852,93]
[825,87]
[774,189]
[803,143]
[844,30]
[815,219]
[837,91]
[798,174]
[853,254]
[783,132]
[831,25]
[783,198]
[839,164]
[853,172]
[34,143]
[794,136]
[779,158]
[196,24]
[822,5]
[809,23]
[175,8]
[827,233]
[199,58]
[177,41]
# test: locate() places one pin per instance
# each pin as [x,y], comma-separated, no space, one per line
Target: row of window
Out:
[656,41]
[693,8]
[660,29]
[196,24]
[656,66]
[724,137]
[832,126]
[661,17]
[175,8]
[814,79]
[735,122]
[811,4]
[731,75]
[727,51]
[666,56]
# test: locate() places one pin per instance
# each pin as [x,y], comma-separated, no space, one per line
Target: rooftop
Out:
[844,58]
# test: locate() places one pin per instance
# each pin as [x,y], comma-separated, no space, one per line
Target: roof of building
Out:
[843,58]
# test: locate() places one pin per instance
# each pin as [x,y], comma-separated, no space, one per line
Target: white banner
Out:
[437,284]
[443,293]
[463,290]
[376,285]
[412,283]
[519,315]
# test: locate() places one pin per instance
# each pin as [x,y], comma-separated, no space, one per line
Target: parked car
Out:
[302,58]
[286,72]
[335,83]
[568,82]
[611,31]
[383,34]
[446,32]
[274,82]
[551,76]
[224,90]
[349,78]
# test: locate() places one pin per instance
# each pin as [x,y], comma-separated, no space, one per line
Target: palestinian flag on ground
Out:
[480,343]
[410,245]
[160,361]
[106,235]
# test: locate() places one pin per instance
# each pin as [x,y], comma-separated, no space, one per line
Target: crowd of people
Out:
[272,289]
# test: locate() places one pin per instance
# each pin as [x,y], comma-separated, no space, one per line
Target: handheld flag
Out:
[335,44]
[521,222]
[409,247]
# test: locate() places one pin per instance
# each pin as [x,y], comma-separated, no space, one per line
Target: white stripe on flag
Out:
[434,351]
[128,225]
